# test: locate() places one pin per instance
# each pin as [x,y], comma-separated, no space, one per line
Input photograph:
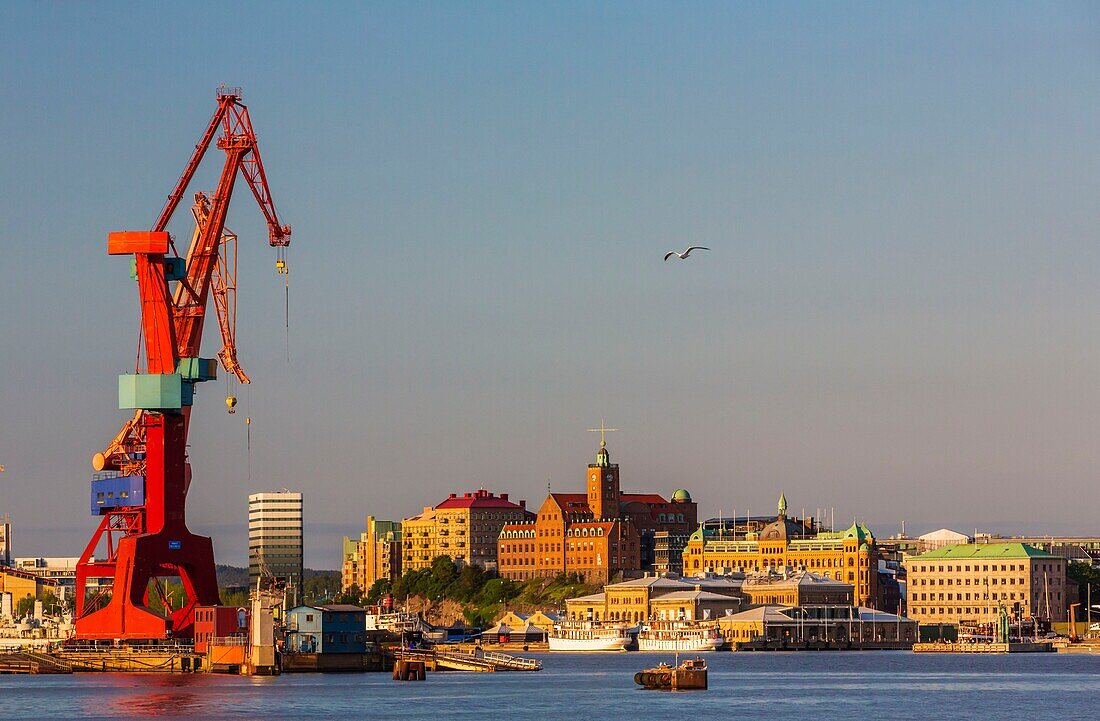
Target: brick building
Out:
[597,534]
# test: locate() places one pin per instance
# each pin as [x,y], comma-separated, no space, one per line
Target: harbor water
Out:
[827,685]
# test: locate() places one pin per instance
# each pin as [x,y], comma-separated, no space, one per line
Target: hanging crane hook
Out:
[231,403]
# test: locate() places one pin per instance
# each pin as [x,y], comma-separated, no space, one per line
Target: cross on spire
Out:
[602,430]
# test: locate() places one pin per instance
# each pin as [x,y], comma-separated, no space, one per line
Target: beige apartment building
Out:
[967,584]
[463,527]
[377,554]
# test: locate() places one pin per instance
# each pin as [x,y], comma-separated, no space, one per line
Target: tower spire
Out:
[603,458]
[782,505]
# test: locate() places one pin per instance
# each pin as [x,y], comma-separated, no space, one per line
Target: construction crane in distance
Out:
[142,477]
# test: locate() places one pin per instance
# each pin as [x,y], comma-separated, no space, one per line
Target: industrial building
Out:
[275,545]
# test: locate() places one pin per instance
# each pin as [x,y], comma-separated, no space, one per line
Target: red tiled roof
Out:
[572,502]
[652,498]
[478,499]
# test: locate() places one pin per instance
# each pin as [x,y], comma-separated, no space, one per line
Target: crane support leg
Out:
[166,548]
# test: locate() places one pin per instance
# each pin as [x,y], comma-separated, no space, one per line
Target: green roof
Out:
[988,550]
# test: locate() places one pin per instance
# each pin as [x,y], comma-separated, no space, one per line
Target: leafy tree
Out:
[1085,576]
[377,590]
[25,605]
[351,595]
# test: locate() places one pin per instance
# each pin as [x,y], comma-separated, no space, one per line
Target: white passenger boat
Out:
[679,636]
[588,636]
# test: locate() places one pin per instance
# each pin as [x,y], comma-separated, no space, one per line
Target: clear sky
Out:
[897,318]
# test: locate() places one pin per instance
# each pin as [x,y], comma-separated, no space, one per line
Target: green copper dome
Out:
[681,495]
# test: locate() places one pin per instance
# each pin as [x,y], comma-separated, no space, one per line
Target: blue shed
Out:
[333,628]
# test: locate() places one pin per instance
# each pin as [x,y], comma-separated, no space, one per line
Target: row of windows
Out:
[987,581]
[1007,596]
[918,567]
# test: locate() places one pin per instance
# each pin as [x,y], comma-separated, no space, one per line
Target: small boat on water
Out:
[589,636]
[691,675]
[679,636]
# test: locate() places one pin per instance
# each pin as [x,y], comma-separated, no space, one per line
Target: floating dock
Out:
[955,647]
[439,659]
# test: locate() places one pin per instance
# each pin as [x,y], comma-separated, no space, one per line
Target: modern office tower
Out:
[275,540]
[5,540]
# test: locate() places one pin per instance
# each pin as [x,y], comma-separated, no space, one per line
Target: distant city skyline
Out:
[894,317]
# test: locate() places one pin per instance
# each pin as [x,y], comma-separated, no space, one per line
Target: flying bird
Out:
[685,254]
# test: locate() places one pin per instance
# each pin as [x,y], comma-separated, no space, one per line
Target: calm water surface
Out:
[851,686]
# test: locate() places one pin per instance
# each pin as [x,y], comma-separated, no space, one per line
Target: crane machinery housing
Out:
[140,484]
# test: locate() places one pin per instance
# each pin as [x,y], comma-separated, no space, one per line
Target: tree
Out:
[377,590]
[352,595]
[25,605]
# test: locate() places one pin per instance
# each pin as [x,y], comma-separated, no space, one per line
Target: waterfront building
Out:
[275,547]
[59,570]
[658,597]
[968,584]
[21,584]
[463,527]
[334,628]
[799,588]
[375,555]
[598,534]
[832,624]
[850,555]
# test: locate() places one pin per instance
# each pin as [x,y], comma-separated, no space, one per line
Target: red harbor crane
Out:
[139,489]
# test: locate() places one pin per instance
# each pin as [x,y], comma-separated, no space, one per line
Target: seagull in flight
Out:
[685,254]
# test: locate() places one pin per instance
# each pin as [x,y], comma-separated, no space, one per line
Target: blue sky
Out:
[897,318]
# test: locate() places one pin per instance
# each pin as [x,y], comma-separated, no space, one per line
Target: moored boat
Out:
[588,636]
[679,636]
[691,675]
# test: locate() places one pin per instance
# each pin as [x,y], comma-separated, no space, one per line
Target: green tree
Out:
[377,590]
[352,595]
[25,605]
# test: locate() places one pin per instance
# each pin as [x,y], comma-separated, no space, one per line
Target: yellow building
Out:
[463,527]
[377,554]
[657,597]
[849,555]
[801,588]
[968,584]
[21,584]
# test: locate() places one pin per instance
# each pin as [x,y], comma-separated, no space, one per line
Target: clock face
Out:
[609,477]
[594,476]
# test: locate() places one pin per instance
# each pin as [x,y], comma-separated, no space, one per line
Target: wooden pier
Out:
[30,662]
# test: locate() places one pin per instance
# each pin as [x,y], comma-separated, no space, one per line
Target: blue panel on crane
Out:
[175,268]
[113,492]
[198,369]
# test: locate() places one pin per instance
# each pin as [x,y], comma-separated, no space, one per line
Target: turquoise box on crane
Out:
[152,391]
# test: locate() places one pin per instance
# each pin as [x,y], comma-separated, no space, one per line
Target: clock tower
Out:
[603,485]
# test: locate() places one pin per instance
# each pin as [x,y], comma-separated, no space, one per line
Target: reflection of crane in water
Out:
[142,477]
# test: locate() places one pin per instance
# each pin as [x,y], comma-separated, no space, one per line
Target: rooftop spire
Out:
[782,505]
[603,458]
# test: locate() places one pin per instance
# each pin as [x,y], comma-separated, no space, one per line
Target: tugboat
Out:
[691,675]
